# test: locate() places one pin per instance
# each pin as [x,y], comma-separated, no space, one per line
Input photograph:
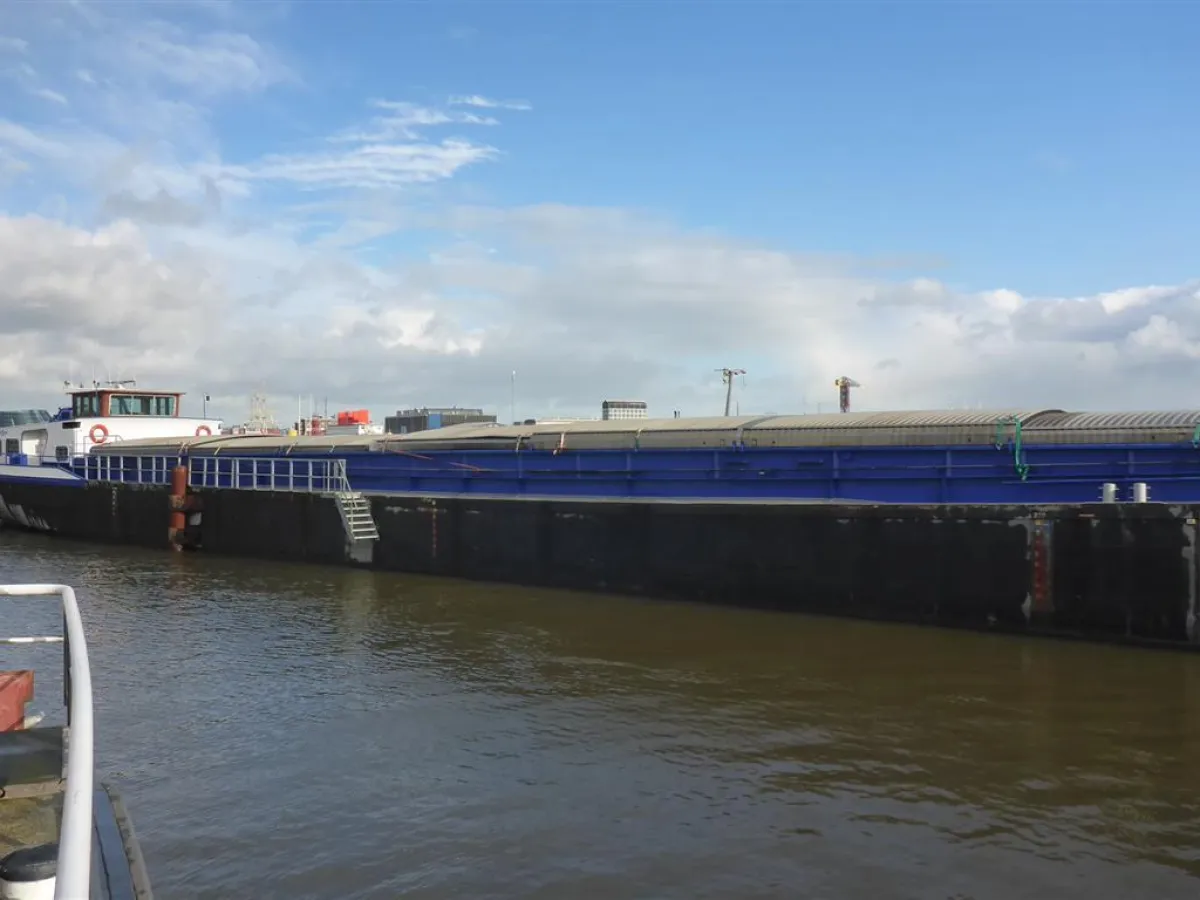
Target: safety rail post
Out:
[73,875]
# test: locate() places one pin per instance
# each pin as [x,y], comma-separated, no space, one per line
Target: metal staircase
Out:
[356,516]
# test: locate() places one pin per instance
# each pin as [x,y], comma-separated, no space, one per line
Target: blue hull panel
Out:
[961,474]
[1055,474]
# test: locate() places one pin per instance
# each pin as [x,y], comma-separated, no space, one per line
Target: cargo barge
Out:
[1033,456]
[1029,520]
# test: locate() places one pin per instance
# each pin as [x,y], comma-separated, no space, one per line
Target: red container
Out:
[354,417]
[16,689]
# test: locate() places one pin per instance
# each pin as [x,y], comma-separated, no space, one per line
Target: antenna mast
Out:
[260,416]
[727,376]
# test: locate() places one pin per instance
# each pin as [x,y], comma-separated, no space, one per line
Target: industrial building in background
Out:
[623,409]
[348,422]
[406,421]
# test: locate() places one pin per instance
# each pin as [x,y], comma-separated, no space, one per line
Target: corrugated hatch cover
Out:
[934,418]
[1111,421]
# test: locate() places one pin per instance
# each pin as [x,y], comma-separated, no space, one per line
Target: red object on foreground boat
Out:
[16,689]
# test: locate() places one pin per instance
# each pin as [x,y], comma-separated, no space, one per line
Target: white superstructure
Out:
[101,414]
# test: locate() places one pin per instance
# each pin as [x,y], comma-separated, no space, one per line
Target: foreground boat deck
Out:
[31,780]
[29,821]
[60,830]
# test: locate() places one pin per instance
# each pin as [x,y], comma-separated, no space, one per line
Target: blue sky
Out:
[1046,147]
[399,203]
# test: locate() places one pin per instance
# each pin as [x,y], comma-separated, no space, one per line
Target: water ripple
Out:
[291,731]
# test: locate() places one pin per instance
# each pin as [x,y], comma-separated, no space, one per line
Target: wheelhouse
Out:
[102,403]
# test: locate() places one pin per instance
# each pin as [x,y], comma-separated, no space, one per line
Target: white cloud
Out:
[486,103]
[23,140]
[169,259]
[650,318]
[402,120]
[13,45]
[368,166]
[209,64]
[52,96]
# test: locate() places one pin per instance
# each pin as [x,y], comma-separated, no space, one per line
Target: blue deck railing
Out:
[320,475]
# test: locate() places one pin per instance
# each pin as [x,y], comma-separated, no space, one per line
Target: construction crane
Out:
[727,376]
[843,384]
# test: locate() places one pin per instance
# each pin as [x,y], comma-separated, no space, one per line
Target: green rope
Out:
[1019,465]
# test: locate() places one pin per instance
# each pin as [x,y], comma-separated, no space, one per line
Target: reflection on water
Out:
[300,732]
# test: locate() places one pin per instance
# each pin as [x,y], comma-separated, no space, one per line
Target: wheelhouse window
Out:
[12,445]
[85,405]
[141,405]
[62,453]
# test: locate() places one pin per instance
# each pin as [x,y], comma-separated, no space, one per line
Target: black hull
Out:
[1125,572]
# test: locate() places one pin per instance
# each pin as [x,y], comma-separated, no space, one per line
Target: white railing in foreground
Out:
[73,878]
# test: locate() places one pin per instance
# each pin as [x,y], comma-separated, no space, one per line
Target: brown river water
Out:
[290,731]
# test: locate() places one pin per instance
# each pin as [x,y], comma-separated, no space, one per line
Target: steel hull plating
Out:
[27,494]
[960,475]
[970,475]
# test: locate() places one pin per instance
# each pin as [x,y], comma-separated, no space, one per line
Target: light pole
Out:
[727,377]
[513,399]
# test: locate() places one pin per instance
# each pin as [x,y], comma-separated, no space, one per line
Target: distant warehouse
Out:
[406,421]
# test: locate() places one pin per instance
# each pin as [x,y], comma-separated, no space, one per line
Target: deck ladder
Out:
[356,516]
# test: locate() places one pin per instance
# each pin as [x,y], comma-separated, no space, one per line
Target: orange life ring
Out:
[98,434]
[203,431]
